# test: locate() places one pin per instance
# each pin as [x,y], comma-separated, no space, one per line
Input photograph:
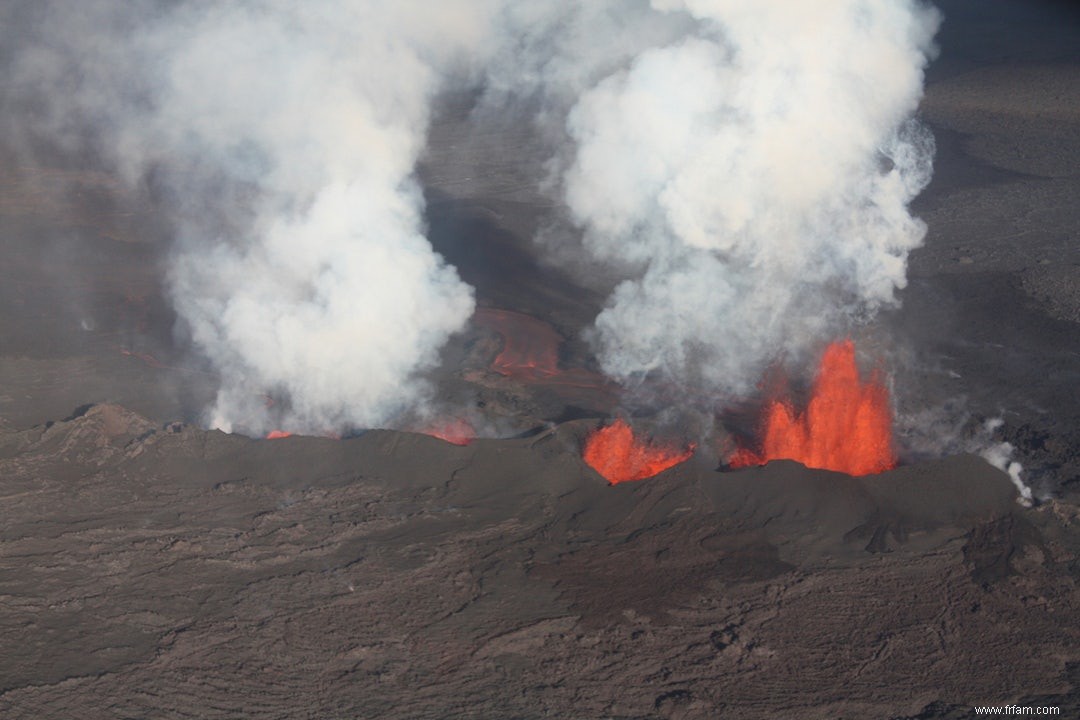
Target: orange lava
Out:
[847,425]
[530,354]
[277,434]
[616,454]
[530,346]
[454,431]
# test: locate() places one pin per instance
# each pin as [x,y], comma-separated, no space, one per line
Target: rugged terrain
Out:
[152,568]
[155,571]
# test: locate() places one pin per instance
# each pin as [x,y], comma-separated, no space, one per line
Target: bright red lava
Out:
[455,431]
[615,453]
[277,434]
[847,425]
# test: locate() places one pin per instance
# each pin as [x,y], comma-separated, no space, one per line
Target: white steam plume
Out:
[287,133]
[999,454]
[752,179]
[950,428]
[744,166]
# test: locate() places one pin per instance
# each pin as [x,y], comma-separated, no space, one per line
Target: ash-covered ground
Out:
[152,568]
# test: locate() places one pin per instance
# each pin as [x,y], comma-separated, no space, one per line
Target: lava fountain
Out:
[615,453]
[847,425]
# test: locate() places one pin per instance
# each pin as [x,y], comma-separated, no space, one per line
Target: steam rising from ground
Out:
[949,429]
[744,167]
[753,179]
[287,133]
[332,299]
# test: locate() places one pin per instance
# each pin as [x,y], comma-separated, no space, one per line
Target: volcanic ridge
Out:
[180,571]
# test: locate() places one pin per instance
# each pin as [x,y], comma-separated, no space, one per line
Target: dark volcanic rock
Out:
[173,572]
[163,571]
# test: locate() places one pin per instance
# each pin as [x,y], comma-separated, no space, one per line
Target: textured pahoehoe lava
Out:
[847,425]
[619,456]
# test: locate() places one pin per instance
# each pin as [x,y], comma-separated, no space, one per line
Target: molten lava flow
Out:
[847,425]
[616,454]
[530,346]
[454,431]
[530,354]
[277,434]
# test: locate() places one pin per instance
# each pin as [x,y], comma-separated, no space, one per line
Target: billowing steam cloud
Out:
[752,177]
[745,167]
[288,133]
[284,135]
[331,299]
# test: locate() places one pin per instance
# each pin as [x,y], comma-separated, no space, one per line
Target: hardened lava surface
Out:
[172,572]
[150,568]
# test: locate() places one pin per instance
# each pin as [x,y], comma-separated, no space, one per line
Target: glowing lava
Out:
[454,431]
[616,454]
[847,425]
[530,346]
[530,354]
[277,434]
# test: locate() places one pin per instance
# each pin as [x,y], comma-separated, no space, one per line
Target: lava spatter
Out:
[619,456]
[847,425]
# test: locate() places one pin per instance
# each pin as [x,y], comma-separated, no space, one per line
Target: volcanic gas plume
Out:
[847,424]
[619,455]
[750,178]
[740,170]
[282,138]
